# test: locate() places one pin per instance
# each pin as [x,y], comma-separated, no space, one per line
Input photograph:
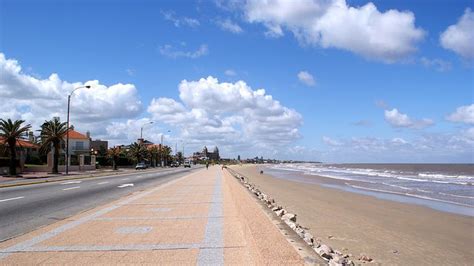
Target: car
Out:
[187,163]
[140,166]
[174,164]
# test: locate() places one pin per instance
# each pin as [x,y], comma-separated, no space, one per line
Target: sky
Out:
[320,80]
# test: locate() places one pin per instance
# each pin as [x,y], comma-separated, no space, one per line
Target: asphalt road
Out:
[25,208]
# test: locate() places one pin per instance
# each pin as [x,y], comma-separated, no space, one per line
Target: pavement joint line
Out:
[158,218]
[214,229]
[174,203]
[132,247]
[27,244]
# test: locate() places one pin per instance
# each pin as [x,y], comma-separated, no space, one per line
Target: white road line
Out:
[71,182]
[125,178]
[11,199]
[125,185]
[101,183]
[69,188]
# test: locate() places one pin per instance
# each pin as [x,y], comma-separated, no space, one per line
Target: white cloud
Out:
[306,78]
[35,100]
[397,119]
[178,22]
[331,142]
[230,73]
[453,147]
[459,37]
[387,36]
[170,51]
[231,115]
[463,114]
[438,64]
[229,25]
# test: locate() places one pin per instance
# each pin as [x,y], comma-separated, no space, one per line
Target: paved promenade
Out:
[204,218]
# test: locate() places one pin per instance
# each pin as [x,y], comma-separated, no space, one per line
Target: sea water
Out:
[447,187]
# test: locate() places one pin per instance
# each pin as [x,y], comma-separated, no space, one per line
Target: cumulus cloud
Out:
[35,100]
[463,114]
[433,147]
[306,78]
[387,36]
[459,37]
[229,115]
[229,25]
[398,119]
[180,21]
[172,52]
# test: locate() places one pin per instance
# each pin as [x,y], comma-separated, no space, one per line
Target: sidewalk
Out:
[203,218]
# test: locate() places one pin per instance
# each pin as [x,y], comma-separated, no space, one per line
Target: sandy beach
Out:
[389,232]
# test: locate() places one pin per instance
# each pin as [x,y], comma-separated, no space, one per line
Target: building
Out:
[206,155]
[99,145]
[79,144]
[25,149]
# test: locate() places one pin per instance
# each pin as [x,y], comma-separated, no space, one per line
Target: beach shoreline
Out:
[388,231]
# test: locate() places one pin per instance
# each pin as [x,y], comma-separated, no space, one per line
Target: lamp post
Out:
[67,132]
[141,129]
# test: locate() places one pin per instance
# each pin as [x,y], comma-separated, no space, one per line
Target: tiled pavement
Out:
[204,218]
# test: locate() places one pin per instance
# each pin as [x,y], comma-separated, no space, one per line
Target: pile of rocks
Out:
[334,257]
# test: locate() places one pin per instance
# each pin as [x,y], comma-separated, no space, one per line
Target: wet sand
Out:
[389,232]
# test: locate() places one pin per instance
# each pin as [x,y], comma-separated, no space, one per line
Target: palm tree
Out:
[138,152]
[166,153]
[114,154]
[52,132]
[10,132]
[154,152]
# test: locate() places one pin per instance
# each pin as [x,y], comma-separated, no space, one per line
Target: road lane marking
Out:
[125,178]
[11,199]
[125,185]
[71,182]
[69,188]
[101,183]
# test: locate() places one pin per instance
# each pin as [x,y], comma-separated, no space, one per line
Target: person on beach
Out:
[207,165]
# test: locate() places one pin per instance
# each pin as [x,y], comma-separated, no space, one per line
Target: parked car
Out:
[140,166]
[187,163]
[174,164]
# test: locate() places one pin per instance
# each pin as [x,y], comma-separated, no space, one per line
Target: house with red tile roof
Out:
[24,149]
[79,144]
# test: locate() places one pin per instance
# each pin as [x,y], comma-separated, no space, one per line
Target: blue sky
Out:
[409,99]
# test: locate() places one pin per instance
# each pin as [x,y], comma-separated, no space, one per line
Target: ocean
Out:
[446,187]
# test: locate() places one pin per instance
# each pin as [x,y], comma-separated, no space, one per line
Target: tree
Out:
[166,153]
[179,156]
[114,154]
[10,132]
[138,152]
[154,152]
[52,133]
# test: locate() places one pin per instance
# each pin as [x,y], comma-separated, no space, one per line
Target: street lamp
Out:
[141,129]
[67,132]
